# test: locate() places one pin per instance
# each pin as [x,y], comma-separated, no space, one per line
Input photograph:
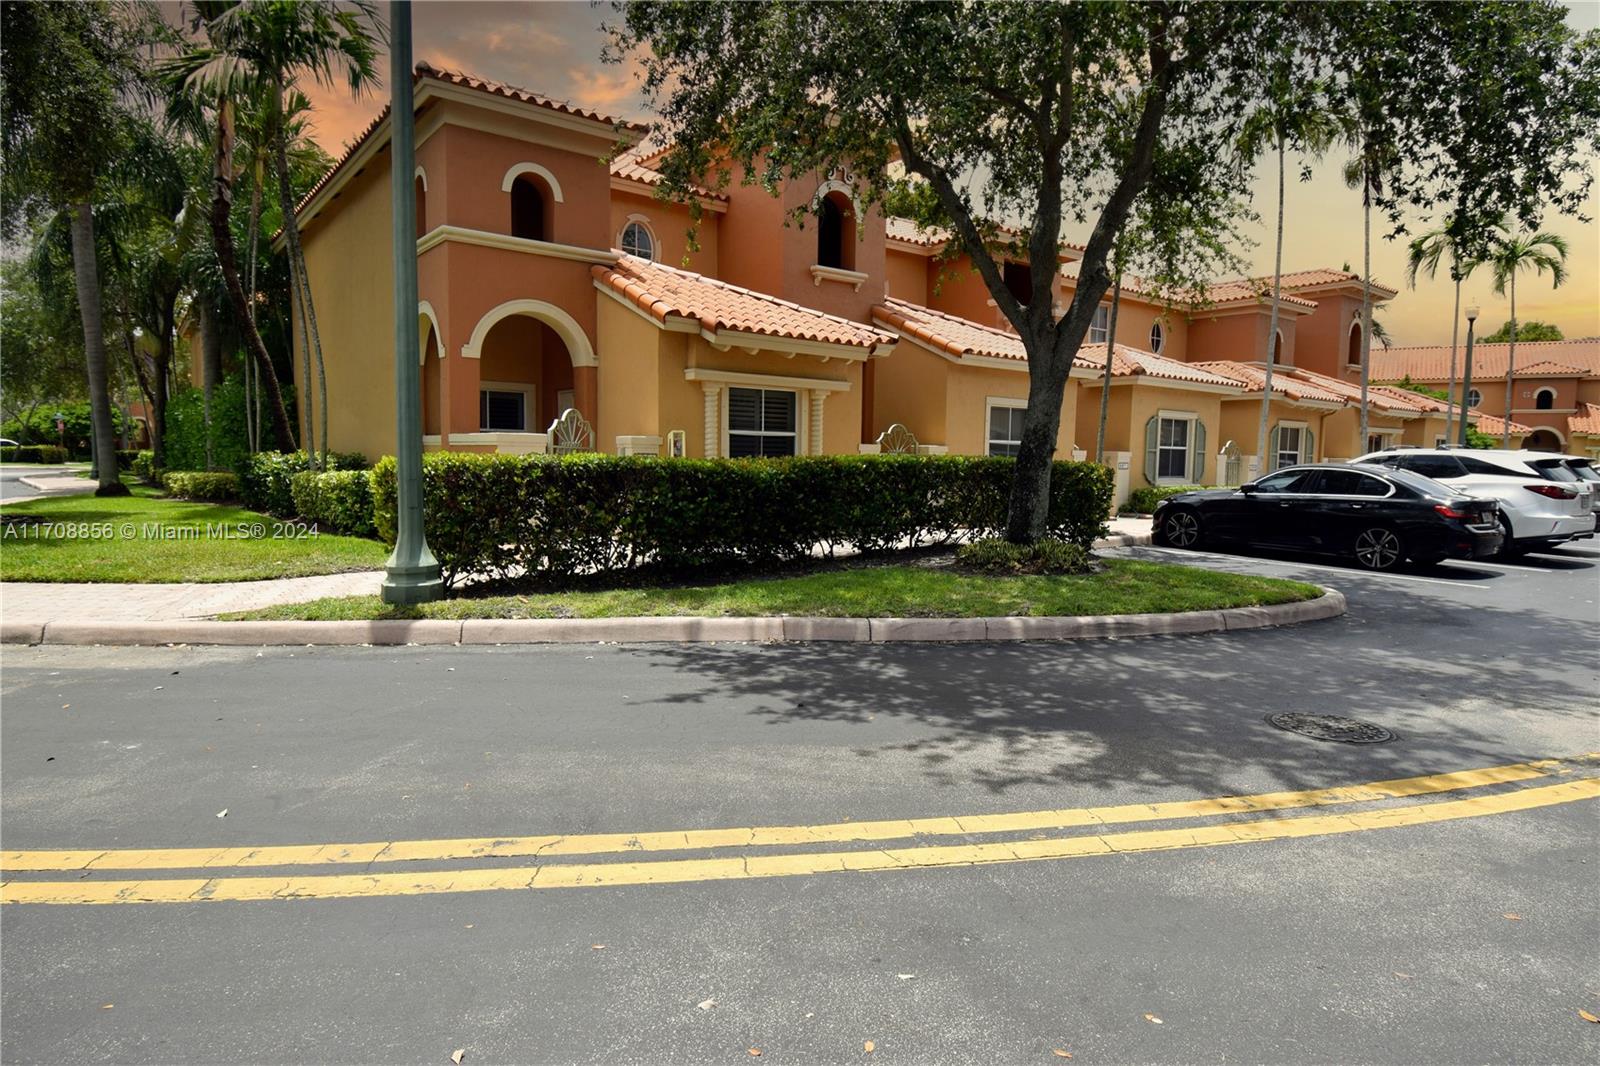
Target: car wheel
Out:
[1181,529]
[1509,549]
[1379,548]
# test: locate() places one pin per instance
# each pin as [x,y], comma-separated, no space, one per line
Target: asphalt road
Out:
[1470,940]
[11,486]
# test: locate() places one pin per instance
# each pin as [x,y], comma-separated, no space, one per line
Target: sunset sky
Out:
[554,48]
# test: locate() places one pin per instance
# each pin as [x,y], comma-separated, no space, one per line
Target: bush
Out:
[215,486]
[1048,556]
[34,453]
[1143,500]
[339,500]
[144,467]
[125,458]
[185,440]
[499,515]
[264,477]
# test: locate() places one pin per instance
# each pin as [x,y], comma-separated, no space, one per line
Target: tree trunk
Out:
[86,273]
[297,258]
[1511,360]
[158,441]
[1028,511]
[228,260]
[252,413]
[297,316]
[210,367]
[1366,301]
[1263,466]
[1105,385]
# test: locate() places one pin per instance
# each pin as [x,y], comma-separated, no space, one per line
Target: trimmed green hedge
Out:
[34,453]
[501,515]
[264,478]
[338,500]
[1143,500]
[211,485]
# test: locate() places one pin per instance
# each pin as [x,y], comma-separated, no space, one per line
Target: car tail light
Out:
[1554,492]
[1450,512]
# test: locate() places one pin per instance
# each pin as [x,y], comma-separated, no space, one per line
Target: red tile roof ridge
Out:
[632,276]
[1585,420]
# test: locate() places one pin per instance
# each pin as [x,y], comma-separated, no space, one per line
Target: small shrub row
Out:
[499,515]
[1143,500]
[213,486]
[264,478]
[1047,556]
[339,501]
[34,453]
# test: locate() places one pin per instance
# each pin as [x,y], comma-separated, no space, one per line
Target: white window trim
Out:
[1105,330]
[1190,417]
[1158,337]
[989,404]
[1300,452]
[539,171]
[642,221]
[1386,439]
[528,406]
[802,415]
[1471,404]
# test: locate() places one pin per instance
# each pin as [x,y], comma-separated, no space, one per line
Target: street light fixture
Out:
[1466,376]
[412,573]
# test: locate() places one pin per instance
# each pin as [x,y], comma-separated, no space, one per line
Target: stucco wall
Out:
[906,276]
[670,223]
[909,388]
[968,389]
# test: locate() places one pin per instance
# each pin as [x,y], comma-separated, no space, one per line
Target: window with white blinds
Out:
[762,422]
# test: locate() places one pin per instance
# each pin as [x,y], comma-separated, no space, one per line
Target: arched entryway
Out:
[534,361]
[1544,440]
[431,381]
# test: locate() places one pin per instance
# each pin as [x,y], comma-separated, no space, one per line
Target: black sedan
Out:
[1377,516]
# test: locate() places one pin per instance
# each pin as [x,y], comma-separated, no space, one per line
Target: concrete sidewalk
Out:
[39,602]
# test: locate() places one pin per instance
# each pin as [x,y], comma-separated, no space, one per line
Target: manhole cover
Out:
[1331,727]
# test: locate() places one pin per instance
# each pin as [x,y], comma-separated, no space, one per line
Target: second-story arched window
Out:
[1353,356]
[1544,399]
[1157,337]
[836,232]
[422,205]
[528,209]
[1277,347]
[638,240]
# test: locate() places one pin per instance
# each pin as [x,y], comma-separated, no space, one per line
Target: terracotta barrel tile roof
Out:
[1397,401]
[1127,361]
[1236,289]
[637,164]
[660,291]
[1494,425]
[947,333]
[1586,420]
[1432,362]
[1549,368]
[1253,378]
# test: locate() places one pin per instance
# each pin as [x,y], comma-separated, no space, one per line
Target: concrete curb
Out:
[482,631]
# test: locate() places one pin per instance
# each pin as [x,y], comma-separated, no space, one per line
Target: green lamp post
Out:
[412,573]
[1466,378]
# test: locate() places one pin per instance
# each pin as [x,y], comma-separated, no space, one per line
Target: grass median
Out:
[147,538]
[1121,586]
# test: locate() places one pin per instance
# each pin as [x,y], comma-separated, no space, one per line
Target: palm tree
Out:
[203,85]
[1365,172]
[1426,253]
[1510,256]
[1304,121]
[278,41]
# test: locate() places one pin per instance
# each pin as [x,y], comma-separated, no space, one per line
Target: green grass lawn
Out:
[147,538]
[1123,587]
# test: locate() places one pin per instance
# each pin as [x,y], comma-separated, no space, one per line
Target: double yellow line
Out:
[216,886]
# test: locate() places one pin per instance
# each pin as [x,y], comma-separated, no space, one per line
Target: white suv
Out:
[1542,502]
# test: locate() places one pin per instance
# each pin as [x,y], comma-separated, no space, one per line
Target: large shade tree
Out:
[1055,115]
[73,76]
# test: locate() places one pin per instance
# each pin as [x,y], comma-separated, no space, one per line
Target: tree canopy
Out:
[1526,331]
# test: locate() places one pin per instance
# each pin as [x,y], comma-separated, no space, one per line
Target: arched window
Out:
[1474,398]
[1019,281]
[422,205]
[1157,337]
[638,240]
[836,245]
[1354,355]
[1277,347]
[527,209]
[1544,399]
